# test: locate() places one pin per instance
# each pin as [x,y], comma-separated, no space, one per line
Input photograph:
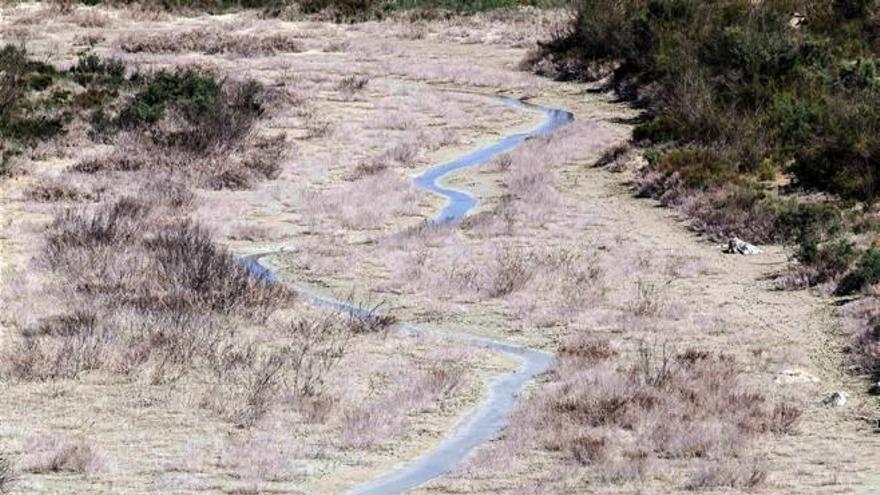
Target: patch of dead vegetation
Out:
[211,42]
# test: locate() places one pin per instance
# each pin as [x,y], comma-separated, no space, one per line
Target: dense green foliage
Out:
[39,101]
[30,111]
[744,87]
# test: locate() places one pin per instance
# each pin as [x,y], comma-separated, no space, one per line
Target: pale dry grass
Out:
[211,42]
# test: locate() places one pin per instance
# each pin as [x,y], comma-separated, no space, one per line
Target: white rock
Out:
[739,246]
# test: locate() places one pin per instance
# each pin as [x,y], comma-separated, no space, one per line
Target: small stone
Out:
[837,399]
[739,246]
[875,389]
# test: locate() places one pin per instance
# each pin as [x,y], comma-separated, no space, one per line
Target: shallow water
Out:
[461,203]
[487,420]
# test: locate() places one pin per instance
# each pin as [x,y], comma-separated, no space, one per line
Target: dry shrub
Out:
[402,153]
[380,421]
[250,379]
[220,153]
[687,405]
[316,125]
[746,474]
[211,42]
[167,192]
[864,349]
[149,295]
[7,474]
[351,85]
[53,454]
[586,349]
[91,18]
[366,169]
[336,46]
[60,189]
[648,299]
[513,270]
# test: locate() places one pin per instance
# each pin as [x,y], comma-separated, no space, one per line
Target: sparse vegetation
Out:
[7,473]
[211,42]
[53,454]
[688,405]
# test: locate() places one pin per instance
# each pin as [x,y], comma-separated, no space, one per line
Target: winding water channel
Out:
[490,416]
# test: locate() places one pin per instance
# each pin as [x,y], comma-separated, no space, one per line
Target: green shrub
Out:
[808,222]
[747,81]
[91,69]
[192,92]
[27,116]
[867,272]
[699,168]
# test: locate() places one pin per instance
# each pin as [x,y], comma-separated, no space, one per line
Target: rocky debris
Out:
[739,246]
[837,399]
[875,389]
[790,376]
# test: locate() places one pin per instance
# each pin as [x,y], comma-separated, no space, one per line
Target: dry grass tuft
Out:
[91,18]
[53,454]
[351,85]
[8,475]
[211,42]
[382,420]
[148,292]
[748,474]
[61,189]
[628,419]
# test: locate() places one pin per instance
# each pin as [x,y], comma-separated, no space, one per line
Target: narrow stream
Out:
[484,423]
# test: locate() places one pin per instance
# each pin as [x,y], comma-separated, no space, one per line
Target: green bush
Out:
[91,69]
[699,168]
[192,92]
[746,80]
[867,272]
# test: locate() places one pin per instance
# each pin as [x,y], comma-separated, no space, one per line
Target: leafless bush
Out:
[250,379]
[503,162]
[167,192]
[91,18]
[784,418]
[612,155]
[367,318]
[350,85]
[315,124]
[380,421]
[52,454]
[7,474]
[367,168]
[152,287]
[586,349]
[210,42]
[336,46]
[648,299]
[403,153]
[686,405]
[59,189]
[588,449]
[730,473]
[513,270]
